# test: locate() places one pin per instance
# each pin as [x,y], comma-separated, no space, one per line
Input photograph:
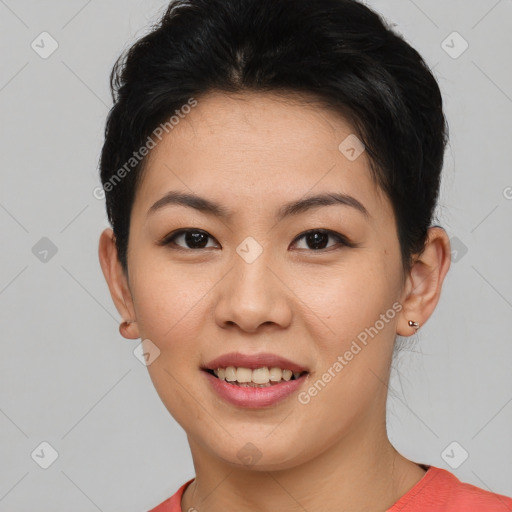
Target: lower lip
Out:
[253,398]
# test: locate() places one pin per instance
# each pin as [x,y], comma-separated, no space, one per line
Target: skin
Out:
[252,153]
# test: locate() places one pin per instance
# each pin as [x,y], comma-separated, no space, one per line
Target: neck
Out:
[363,473]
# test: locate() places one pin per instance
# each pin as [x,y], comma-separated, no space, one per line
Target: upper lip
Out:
[253,361]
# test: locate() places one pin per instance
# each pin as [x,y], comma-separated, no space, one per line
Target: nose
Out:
[253,295]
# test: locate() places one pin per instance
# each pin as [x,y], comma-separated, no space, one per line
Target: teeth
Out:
[230,374]
[262,376]
[275,374]
[243,375]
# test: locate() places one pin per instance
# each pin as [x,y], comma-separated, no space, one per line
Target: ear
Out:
[423,284]
[118,285]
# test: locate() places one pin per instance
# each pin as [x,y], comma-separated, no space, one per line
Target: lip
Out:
[254,398]
[253,361]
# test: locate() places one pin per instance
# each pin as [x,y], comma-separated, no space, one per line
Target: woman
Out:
[271,168]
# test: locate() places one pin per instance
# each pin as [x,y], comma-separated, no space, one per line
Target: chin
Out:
[261,453]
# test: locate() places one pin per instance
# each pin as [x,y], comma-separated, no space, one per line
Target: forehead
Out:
[258,146]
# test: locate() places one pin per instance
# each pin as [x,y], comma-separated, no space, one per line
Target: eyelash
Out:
[341,239]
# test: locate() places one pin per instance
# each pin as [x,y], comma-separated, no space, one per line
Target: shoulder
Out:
[172,504]
[441,491]
[470,497]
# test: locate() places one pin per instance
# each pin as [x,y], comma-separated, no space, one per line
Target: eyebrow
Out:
[288,209]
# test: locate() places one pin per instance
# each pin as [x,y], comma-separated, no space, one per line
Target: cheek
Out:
[354,357]
[170,313]
[360,309]
[349,299]
[168,304]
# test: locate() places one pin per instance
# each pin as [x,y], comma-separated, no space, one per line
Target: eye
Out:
[318,238]
[194,238]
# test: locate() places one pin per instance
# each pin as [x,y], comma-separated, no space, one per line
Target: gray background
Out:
[66,375]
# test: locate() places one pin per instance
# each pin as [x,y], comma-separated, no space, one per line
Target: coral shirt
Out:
[438,491]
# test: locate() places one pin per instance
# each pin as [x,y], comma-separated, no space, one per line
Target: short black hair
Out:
[339,52]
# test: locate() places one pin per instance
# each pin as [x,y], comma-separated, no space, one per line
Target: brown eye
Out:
[318,239]
[195,239]
[192,238]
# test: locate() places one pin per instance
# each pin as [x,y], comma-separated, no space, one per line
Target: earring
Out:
[123,326]
[416,325]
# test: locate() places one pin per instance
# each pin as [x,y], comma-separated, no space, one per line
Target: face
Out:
[308,284]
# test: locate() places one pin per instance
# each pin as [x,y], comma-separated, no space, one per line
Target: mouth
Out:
[254,380]
[262,377]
